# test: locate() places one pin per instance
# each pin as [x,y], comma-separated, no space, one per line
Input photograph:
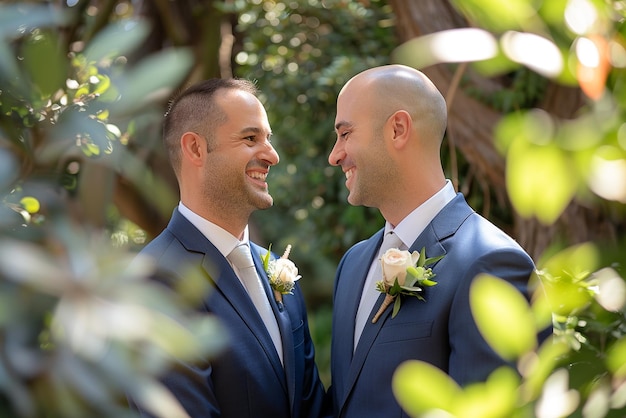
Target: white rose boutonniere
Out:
[282,273]
[404,273]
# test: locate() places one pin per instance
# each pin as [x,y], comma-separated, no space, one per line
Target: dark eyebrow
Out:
[256,131]
[253,130]
[342,124]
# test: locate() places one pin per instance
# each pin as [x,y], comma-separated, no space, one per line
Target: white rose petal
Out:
[285,270]
[394,264]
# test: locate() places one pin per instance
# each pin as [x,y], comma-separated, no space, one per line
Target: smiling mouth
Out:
[257,175]
[349,173]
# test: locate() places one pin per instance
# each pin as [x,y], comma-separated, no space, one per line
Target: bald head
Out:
[390,123]
[390,88]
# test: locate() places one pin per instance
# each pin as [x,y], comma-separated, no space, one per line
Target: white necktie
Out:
[242,259]
[370,294]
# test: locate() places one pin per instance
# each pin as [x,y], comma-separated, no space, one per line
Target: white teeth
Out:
[349,173]
[258,176]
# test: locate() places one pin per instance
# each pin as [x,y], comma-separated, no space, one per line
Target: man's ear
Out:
[401,125]
[193,148]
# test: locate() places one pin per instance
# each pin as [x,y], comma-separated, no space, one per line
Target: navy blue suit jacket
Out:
[440,330]
[247,380]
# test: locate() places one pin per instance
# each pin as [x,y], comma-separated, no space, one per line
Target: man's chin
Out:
[265,203]
[355,200]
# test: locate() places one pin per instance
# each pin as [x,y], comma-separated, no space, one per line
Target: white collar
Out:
[223,240]
[415,222]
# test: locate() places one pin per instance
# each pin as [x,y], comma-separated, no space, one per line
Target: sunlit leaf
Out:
[503,316]
[537,367]
[616,358]
[533,51]
[562,278]
[541,309]
[23,17]
[104,82]
[419,387]
[30,203]
[117,39]
[27,263]
[557,399]
[454,45]
[607,175]
[611,290]
[535,126]
[82,91]
[498,15]
[495,398]
[575,261]
[532,158]
[157,399]
[152,79]
[45,61]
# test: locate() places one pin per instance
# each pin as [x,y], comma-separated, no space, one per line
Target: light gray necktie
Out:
[242,259]
[370,294]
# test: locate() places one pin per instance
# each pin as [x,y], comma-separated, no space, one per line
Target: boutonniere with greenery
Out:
[282,273]
[404,273]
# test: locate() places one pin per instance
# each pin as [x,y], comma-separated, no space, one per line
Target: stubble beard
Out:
[236,200]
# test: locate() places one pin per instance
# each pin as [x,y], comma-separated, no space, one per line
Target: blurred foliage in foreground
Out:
[581,370]
[80,326]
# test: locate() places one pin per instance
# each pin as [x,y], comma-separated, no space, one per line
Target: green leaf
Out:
[433,260]
[563,278]
[411,288]
[413,271]
[30,204]
[266,257]
[117,39]
[498,15]
[396,306]
[528,140]
[155,75]
[422,259]
[419,387]
[528,167]
[21,17]
[395,289]
[536,372]
[616,358]
[45,61]
[576,262]
[495,398]
[503,316]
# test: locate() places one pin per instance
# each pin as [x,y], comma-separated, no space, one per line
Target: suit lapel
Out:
[444,225]
[284,325]
[228,285]
[354,274]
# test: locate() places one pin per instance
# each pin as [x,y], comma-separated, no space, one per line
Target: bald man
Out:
[390,125]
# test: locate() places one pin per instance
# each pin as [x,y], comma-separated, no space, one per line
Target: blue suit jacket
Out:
[247,380]
[440,330]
